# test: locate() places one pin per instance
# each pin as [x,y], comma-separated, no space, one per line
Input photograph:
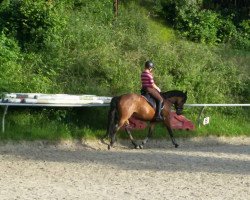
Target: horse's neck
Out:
[171,100]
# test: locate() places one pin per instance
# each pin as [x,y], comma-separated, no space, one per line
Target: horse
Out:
[135,105]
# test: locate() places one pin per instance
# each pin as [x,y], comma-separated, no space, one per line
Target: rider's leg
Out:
[158,111]
[159,101]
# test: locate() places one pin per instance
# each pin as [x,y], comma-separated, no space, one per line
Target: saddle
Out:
[151,100]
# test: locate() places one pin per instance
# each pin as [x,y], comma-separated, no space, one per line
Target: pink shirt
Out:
[147,79]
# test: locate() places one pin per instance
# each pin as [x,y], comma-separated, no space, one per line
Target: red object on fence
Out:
[178,122]
[135,124]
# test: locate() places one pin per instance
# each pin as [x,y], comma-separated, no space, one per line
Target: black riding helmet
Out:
[149,64]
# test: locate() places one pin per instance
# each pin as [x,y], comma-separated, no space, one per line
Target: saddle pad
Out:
[150,100]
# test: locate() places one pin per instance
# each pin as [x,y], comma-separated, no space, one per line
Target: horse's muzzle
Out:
[179,111]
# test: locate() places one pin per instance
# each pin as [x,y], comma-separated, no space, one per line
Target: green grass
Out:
[164,33]
[220,125]
[36,127]
[51,131]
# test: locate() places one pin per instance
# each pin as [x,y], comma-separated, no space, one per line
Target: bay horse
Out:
[127,105]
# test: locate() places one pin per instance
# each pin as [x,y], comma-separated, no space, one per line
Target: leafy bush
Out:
[197,21]
[242,38]
[29,21]
[96,53]
[226,31]
[22,72]
[199,26]
[39,77]
[11,71]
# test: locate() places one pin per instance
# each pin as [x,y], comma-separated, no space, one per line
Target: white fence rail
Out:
[217,105]
[50,100]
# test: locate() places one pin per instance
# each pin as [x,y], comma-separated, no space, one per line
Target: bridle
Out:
[178,108]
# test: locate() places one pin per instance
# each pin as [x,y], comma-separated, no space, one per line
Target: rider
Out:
[149,86]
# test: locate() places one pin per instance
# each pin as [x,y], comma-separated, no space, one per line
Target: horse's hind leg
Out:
[132,139]
[114,131]
[112,136]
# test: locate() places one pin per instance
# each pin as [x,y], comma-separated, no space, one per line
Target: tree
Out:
[115,4]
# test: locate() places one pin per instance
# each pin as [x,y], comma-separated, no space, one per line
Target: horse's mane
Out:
[173,93]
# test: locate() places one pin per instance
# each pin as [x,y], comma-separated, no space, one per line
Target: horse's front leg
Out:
[170,131]
[150,133]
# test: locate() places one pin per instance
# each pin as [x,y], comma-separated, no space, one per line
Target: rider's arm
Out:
[156,87]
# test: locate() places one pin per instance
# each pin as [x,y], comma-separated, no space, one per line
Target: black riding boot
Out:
[158,111]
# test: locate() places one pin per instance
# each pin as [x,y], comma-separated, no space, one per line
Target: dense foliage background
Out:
[80,47]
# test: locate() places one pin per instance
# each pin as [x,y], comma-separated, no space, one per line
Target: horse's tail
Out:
[113,117]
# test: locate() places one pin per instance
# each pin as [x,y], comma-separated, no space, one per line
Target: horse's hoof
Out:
[137,147]
[176,145]
[141,146]
[109,147]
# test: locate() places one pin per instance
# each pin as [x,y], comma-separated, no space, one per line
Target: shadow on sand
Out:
[190,157]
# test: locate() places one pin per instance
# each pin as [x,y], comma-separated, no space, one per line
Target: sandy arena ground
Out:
[208,168]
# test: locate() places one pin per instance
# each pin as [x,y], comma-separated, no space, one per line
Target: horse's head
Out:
[179,104]
[177,98]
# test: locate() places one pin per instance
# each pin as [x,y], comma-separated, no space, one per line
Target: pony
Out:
[125,106]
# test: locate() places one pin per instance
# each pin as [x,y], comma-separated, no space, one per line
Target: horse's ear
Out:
[185,92]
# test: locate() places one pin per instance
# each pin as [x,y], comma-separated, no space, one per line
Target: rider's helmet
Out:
[149,64]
